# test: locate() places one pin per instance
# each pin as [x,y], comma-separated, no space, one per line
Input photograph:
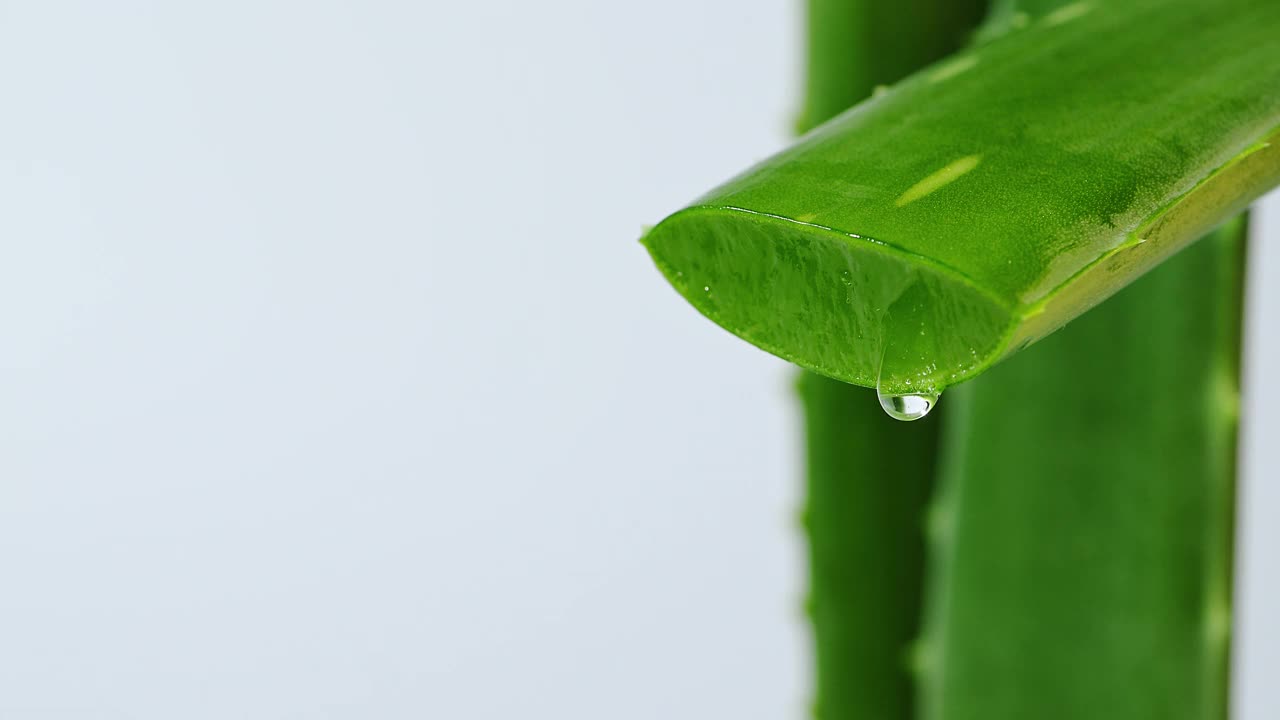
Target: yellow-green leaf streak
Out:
[868,476]
[1103,138]
[937,180]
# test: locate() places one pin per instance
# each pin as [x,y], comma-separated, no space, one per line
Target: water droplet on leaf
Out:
[907,407]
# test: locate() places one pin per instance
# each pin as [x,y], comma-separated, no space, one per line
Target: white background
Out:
[334,383]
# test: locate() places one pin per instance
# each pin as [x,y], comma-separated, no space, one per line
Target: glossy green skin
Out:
[989,199]
[1082,542]
[868,476]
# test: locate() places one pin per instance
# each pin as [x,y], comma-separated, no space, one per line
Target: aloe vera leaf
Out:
[1082,540]
[989,199]
[868,477]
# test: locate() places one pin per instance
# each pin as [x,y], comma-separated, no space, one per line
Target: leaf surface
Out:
[987,200]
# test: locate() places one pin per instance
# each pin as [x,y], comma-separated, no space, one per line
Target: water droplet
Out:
[908,362]
[907,407]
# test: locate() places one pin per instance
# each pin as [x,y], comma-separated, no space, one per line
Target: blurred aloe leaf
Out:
[1082,541]
[1081,555]
[869,477]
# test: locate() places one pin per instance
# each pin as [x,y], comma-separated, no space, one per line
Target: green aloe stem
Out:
[1081,546]
[868,477]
